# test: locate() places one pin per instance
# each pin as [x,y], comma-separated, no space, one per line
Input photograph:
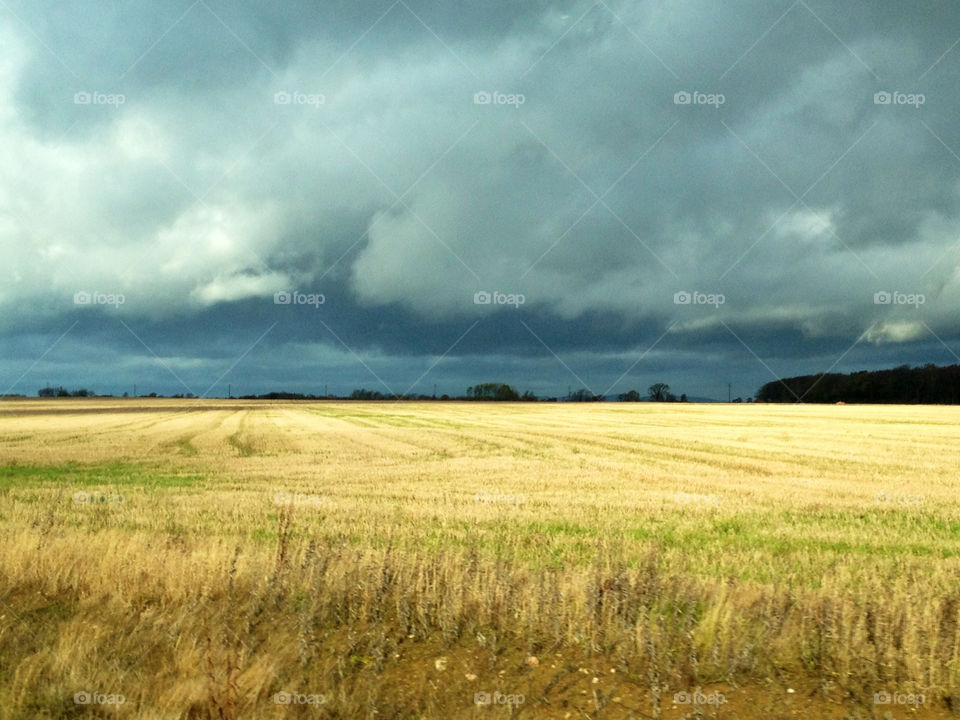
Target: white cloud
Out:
[239,287]
[894,331]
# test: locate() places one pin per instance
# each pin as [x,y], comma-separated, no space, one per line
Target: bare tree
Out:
[660,392]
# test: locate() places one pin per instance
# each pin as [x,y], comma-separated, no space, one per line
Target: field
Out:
[231,559]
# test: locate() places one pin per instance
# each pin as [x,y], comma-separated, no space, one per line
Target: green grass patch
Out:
[86,475]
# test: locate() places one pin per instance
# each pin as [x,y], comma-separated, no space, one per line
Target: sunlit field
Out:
[232,559]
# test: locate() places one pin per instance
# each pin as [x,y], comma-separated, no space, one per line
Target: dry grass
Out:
[395,559]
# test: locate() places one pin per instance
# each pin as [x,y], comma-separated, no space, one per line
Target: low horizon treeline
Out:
[485,392]
[926,385]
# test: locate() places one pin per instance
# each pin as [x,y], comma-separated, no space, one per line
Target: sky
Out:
[420,194]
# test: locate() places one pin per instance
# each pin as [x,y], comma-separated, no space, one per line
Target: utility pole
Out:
[229,390]
[434,391]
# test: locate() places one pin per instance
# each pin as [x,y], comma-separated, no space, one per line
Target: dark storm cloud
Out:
[229,151]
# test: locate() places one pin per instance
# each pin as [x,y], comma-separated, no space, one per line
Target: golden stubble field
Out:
[234,559]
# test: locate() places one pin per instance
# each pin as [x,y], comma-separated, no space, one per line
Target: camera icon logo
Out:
[681,98]
[882,698]
[882,298]
[81,297]
[881,98]
[281,297]
[81,498]
[481,698]
[82,698]
[481,297]
[481,98]
[81,98]
[681,298]
[282,698]
[281,98]
[681,698]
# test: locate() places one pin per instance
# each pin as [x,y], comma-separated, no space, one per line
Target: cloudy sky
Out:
[397,195]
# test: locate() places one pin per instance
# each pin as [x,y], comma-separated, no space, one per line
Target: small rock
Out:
[596,680]
[440,663]
[532,661]
[470,676]
[791,690]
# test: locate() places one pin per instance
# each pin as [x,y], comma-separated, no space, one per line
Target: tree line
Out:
[487,392]
[929,384]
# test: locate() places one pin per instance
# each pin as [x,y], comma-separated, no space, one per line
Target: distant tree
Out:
[630,396]
[528,397]
[584,395]
[659,392]
[492,391]
[683,397]
[61,391]
[364,394]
